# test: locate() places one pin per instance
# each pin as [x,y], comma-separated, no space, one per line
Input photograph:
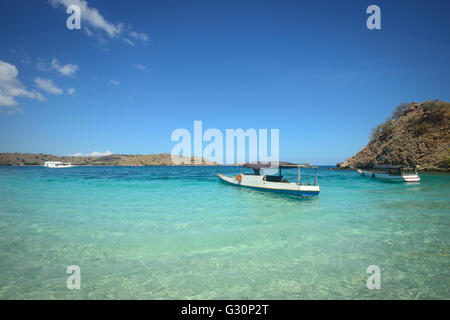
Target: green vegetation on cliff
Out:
[416,135]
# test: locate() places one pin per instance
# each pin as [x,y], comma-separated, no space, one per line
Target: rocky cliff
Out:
[416,135]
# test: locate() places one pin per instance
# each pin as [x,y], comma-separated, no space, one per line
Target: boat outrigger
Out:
[390,172]
[274,183]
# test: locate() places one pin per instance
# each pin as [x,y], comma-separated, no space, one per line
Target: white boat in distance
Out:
[391,173]
[274,183]
[58,164]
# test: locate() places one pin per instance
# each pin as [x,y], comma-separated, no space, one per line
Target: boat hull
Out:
[284,188]
[387,177]
[58,164]
[59,167]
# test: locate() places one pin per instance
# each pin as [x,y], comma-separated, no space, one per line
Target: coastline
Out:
[38,159]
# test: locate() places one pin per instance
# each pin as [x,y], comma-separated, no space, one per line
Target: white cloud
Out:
[20,52]
[70,91]
[97,36]
[92,17]
[11,87]
[139,36]
[48,86]
[88,32]
[67,70]
[139,66]
[96,22]
[92,154]
[114,82]
[136,37]
[42,65]
[131,43]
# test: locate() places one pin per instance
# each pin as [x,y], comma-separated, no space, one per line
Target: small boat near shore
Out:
[389,172]
[58,164]
[263,179]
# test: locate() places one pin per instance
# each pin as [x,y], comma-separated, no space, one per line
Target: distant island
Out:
[33,159]
[416,135]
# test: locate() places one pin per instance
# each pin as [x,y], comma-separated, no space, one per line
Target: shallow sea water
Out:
[179,233]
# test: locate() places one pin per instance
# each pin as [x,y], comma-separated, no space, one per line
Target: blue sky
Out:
[138,70]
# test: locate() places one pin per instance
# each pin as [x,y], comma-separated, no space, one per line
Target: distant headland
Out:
[33,159]
[416,135]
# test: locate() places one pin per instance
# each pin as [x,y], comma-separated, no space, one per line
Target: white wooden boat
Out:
[390,172]
[273,182]
[58,164]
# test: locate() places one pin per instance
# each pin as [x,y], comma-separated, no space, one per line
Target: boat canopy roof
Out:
[274,164]
[388,166]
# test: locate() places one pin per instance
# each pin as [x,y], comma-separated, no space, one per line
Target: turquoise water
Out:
[178,233]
